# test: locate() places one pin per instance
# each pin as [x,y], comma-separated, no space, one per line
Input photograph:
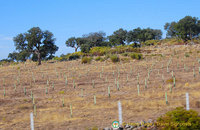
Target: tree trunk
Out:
[76,49]
[39,58]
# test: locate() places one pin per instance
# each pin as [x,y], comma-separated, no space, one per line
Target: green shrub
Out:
[85,60]
[58,58]
[125,54]
[114,58]
[135,45]
[98,58]
[179,119]
[75,55]
[102,59]
[72,56]
[151,42]
[99,51]
[137,56]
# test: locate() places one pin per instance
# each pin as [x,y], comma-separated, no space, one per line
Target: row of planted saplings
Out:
[116,82]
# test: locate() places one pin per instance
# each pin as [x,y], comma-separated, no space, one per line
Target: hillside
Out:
[71,82]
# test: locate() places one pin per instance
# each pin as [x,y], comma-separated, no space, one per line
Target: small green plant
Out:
[137,56]
[62,92]
[102,59]
[187,55]
[125,54]
[85,60]
[98,58]
[25,100]
[151,42]
[179,119]
[114,58]
[4,119]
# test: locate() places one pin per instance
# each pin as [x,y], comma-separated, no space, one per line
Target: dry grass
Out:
[16,107]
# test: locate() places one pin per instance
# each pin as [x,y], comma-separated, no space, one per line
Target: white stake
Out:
[187,101]
[120,112]
[32,121]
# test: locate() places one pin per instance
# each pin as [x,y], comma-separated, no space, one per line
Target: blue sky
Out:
[67,18]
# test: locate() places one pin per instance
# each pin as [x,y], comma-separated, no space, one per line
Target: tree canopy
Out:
[35,43]
[87,41]
[142,35]
[186,28]
[118,37]
[74,42]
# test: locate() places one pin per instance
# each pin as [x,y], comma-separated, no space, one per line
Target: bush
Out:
[58,58]
[179,119]
[99,59]
[137,56]
[114,58]
[85,60]
[73,57]
[151,42]
[102,59]
[135,45]
[99,51]
[125,54]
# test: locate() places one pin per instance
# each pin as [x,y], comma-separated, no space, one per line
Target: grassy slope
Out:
[15,107]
